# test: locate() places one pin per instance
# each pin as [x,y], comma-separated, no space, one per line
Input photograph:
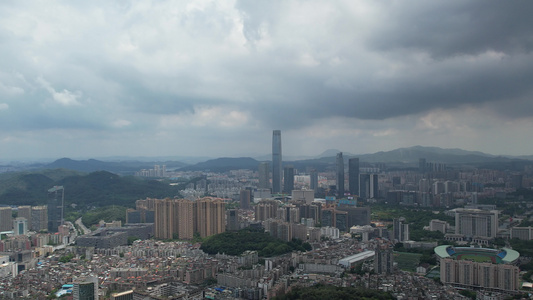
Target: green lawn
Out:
[476,258]
[407,261]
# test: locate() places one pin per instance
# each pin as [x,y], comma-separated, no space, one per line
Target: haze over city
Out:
[214,78]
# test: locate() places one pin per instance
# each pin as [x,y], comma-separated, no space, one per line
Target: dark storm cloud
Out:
[303,99]
[448,28]
[475,53]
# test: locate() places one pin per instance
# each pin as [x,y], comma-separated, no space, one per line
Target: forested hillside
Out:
[93,189]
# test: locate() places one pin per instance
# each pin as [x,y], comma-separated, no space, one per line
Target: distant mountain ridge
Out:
[224,164]
[122,167]
[436,154]
[399,157]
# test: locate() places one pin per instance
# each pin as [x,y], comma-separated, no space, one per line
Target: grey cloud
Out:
[448,28]
[143,63]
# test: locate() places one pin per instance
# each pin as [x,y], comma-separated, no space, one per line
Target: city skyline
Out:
[205,78]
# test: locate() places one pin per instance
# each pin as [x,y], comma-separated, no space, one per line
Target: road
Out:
[83,228]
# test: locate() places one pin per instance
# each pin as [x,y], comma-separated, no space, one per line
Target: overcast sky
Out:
[214,78]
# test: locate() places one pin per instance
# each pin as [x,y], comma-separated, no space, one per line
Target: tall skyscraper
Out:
[245,196]
[56,201]
[374,186]
[288,179]
[353,175]
[314,180]
[364,186]
[340,175]
[276,162]
[264,175]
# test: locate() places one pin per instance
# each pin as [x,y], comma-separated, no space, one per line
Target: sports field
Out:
[478,256]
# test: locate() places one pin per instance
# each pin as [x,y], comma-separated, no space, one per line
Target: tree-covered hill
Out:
[29,188]
[93,189]
[236,242]
[120,167]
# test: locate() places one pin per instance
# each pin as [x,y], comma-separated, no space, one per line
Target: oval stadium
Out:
[495,256]
[479,268]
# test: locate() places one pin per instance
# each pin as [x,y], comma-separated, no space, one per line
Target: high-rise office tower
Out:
[368,186]
[353,175]
[400,229]
[288,179]
[374,186]
[264,175]
[245,196]
[56,201]
[276,162]
[6,218]
[39,218]
[364,186]
[340,175]
[313,184]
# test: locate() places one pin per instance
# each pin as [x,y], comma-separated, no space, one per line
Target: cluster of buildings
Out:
[181,218]
[157,171]
[35,218]
[152,269]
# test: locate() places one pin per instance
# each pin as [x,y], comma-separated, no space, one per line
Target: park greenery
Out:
[236,242]
[321,291]
[66,258]
[469,294]
[417,218]
[93,216]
